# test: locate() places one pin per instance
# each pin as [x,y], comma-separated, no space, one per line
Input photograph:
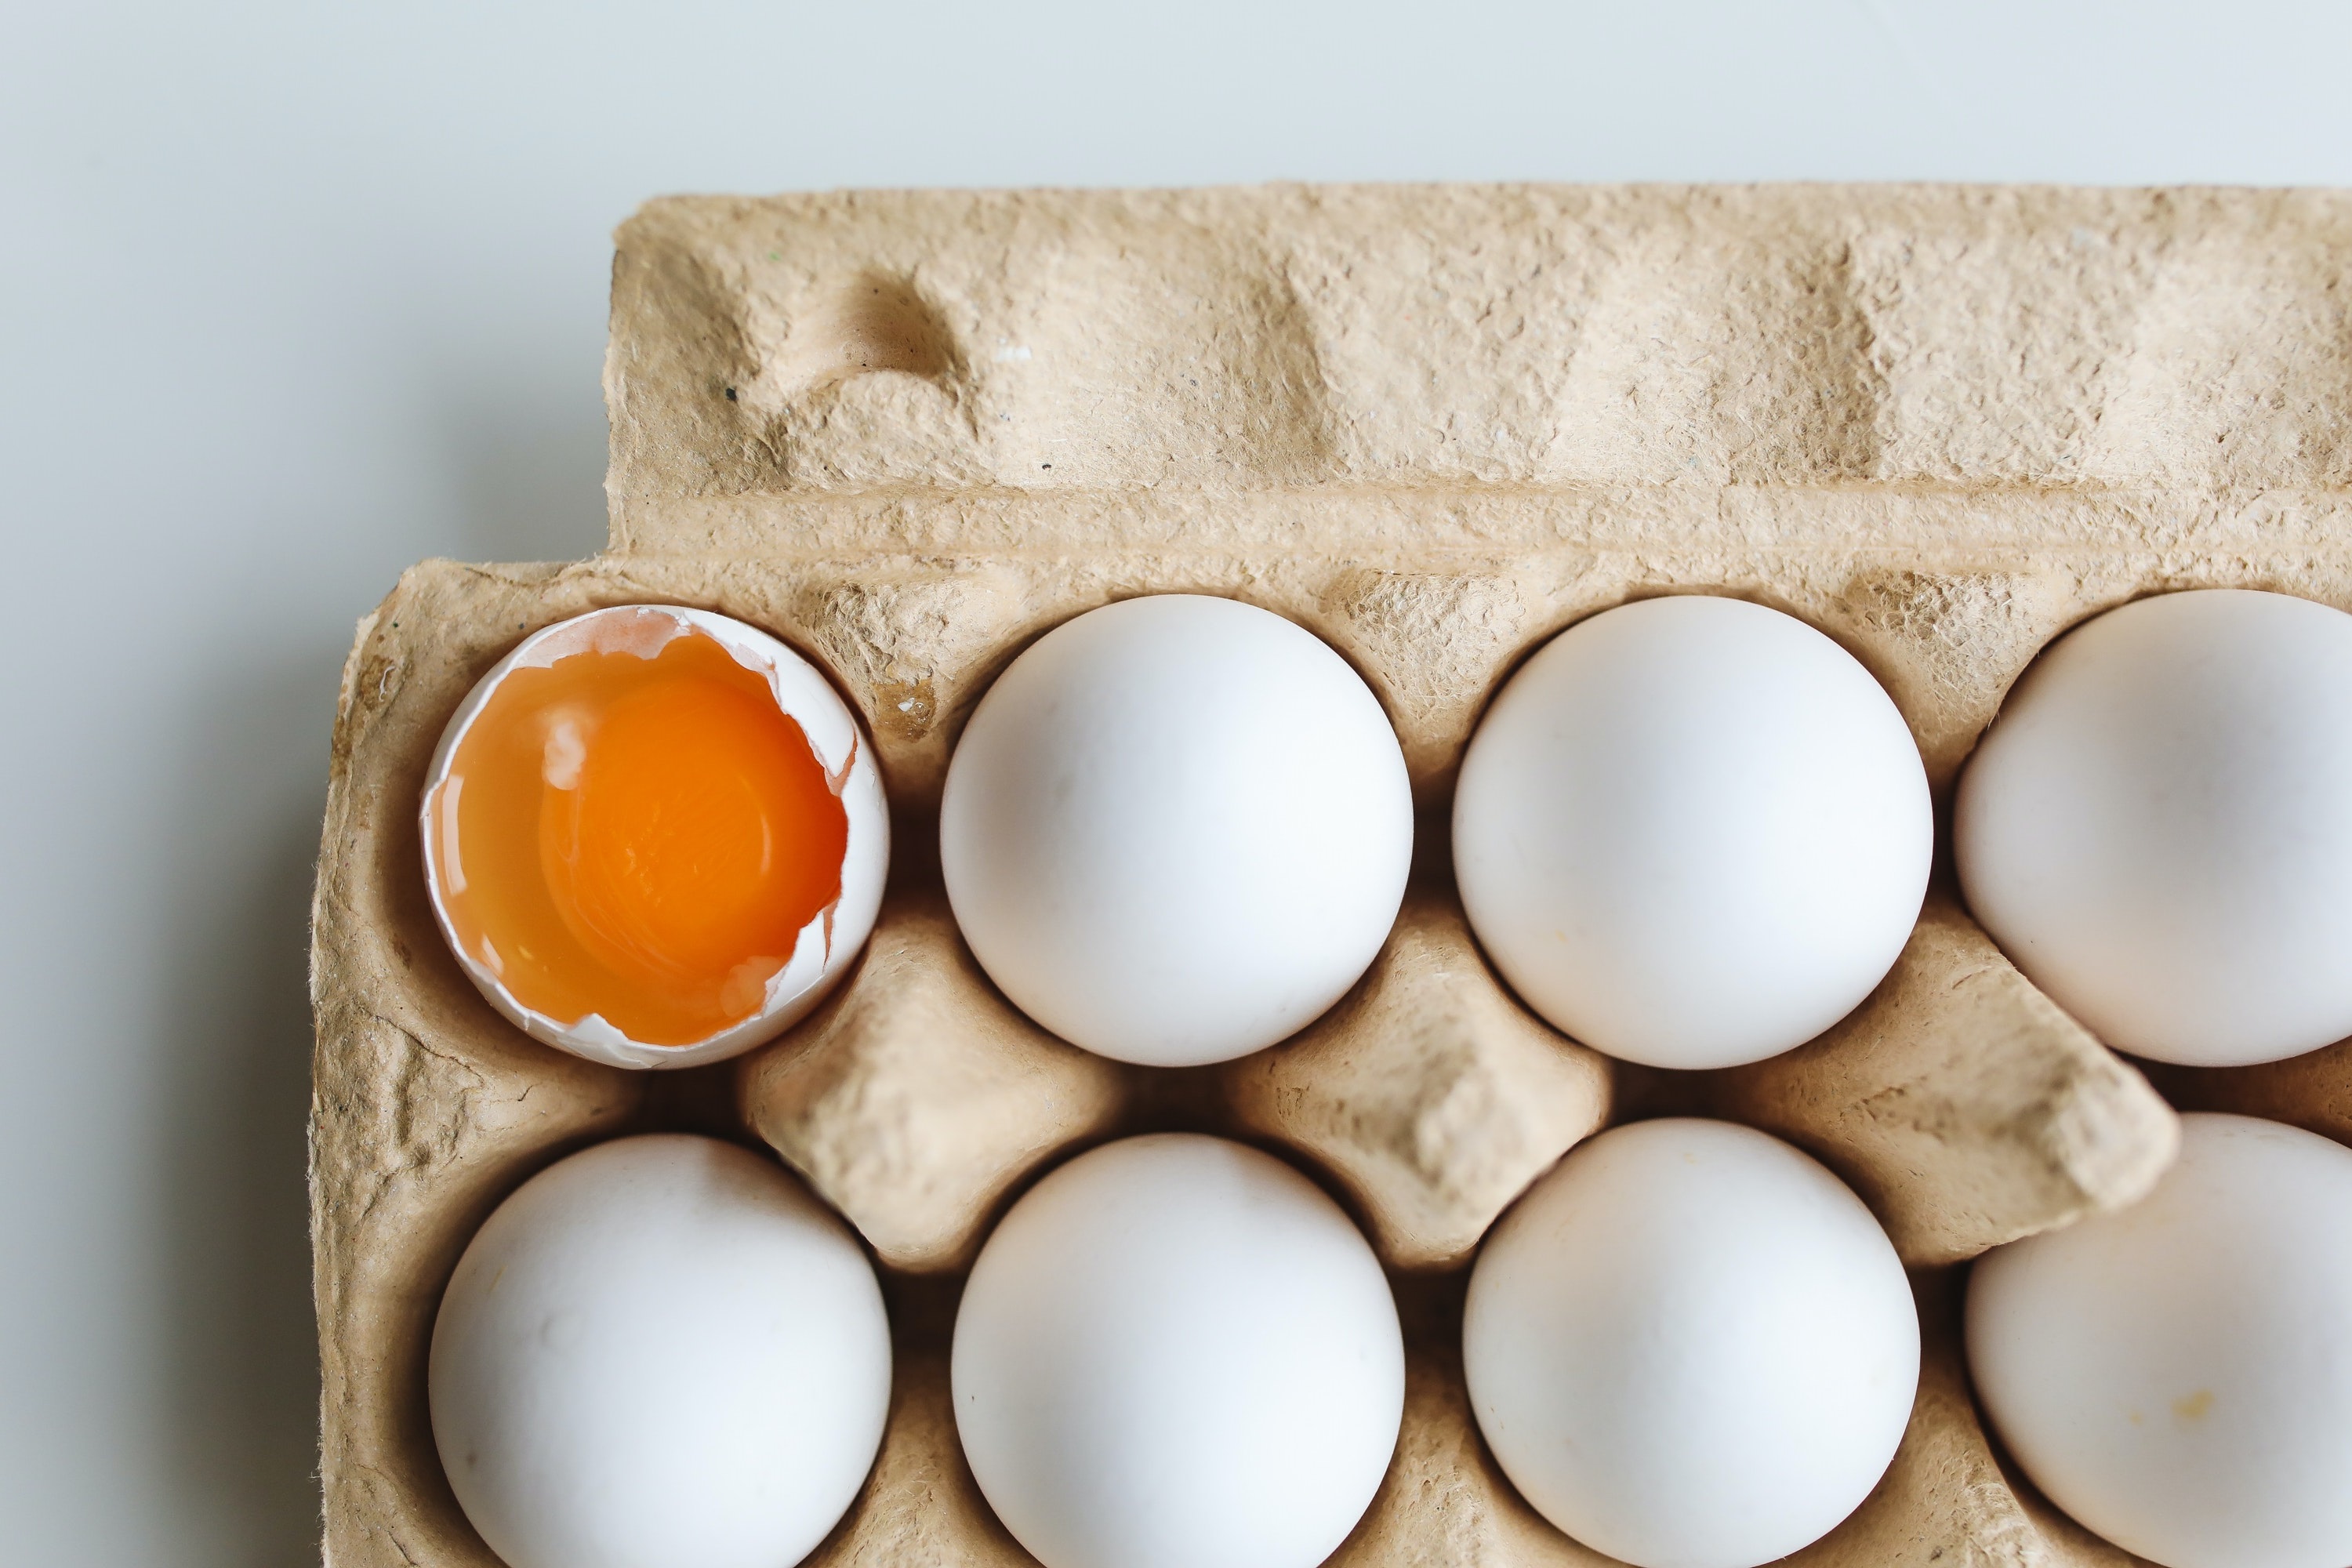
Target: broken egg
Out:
[655,836]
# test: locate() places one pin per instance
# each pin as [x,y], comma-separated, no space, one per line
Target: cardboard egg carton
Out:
[909,432]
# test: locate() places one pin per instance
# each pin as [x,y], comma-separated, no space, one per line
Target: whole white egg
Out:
[2157,829]
[1691,1346]
[1176,829]
[1177,1352]
[2177,1376]
[1693,832]
[662,1352]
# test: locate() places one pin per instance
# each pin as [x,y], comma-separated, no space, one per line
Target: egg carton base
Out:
[909,432]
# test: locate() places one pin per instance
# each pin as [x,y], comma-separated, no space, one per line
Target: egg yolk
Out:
[639,837]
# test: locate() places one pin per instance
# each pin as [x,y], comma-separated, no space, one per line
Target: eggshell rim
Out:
[832,730]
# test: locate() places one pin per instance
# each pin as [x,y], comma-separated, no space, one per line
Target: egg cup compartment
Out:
[908,433]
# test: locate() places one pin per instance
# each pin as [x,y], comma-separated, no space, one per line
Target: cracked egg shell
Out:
[653,836]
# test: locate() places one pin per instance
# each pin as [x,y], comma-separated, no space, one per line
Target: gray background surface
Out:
[291,295]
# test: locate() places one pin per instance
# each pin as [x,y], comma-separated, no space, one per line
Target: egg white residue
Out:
[825,949]
[1177,1352]
[2177,1376]
[1176,829]
[2157,829]
[1693,832]
[1691,1346]
[660,1351]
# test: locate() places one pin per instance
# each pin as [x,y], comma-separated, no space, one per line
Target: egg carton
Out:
[909,432]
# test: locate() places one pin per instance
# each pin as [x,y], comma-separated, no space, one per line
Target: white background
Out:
[293,295]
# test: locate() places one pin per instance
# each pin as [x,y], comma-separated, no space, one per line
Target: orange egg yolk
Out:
[644,838]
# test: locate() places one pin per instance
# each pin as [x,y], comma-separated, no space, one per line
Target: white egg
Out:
[2177,1376]
[1176,829]
[1176,1351]
[1693,832]
[662,1352]
[1690,1346]
[2157,829]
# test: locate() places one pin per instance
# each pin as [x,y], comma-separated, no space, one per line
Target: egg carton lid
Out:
[1663,367]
